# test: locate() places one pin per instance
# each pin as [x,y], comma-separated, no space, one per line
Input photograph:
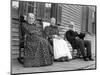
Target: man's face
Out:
[72,27]
[53,21]
[31,18]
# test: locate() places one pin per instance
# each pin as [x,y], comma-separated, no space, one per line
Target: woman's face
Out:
[31,18]
[53,21]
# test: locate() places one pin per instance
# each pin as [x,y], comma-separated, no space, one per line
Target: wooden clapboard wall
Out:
[14,31]
[15,36]
[70,13]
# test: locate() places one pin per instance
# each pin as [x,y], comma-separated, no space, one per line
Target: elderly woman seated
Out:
[37,50]
[60,47]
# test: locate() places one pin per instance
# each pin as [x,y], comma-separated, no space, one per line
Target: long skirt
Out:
[37,52]
[61,49]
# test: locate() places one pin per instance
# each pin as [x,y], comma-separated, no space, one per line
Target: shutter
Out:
[20,7]
[59,10]
[83,28]
[91,26]
[84,25]
[94,30]
[29,9]
[87,18]
[54,10]
[35,8]
[47,13]
[40,10]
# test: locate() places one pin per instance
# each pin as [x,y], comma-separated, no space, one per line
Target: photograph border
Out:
[61,70]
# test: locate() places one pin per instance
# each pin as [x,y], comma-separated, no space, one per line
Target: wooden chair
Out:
[75,52]
[22,38]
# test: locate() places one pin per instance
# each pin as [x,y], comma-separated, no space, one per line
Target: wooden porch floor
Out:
[75,64]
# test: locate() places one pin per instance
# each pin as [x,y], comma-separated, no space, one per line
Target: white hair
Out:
[30,14]
[53,18]
[73,24]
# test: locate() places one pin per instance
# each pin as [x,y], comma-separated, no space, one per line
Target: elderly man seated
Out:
[77,41]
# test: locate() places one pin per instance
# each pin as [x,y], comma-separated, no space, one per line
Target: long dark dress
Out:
[37,51]
[51,30]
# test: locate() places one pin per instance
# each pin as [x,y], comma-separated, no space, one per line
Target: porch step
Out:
[15,52]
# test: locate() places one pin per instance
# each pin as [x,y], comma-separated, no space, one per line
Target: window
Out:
[47,10]
[56,12]
[30,7]
[40,10]
[15,4]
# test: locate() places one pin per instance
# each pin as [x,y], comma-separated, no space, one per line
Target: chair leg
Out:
[20,58]
[78,53]
[19,52]
[73,54]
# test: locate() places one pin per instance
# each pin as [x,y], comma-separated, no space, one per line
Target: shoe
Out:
[86,59]
[60,59]
[66,58]
[91,59]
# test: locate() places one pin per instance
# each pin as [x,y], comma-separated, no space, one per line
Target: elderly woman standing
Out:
[61,50]
[37,51]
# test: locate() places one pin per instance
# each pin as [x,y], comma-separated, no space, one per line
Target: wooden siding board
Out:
[64,21]
[72,17]
[73,8]
[73,11]
[14,47]
[70,13]
[15,52]
[15,37]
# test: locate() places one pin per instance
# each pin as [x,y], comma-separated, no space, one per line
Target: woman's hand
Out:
[56,36]
[59,38]
[77,38]
[34,31]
